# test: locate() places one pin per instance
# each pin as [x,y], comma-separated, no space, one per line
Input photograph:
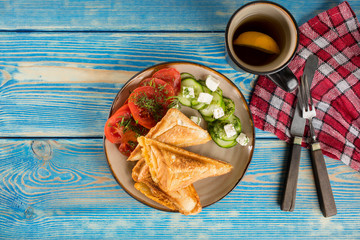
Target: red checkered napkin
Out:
[334,37]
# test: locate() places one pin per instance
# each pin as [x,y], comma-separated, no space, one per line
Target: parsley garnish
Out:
[186,91]
[132,144]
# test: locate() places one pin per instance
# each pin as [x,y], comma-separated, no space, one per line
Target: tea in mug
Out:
[268,42]
[272,25]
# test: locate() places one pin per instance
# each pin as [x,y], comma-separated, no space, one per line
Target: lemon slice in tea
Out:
[259,41]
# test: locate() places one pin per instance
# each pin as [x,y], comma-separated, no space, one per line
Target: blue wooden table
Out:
[62,63]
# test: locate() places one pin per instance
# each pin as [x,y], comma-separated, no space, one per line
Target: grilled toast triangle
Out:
[185,200]
[174,168]
[176,129]
[140,171]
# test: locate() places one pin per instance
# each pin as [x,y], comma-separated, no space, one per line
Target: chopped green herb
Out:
[186,91]
[132,144]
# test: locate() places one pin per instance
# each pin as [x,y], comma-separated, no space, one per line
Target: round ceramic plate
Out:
[212,189]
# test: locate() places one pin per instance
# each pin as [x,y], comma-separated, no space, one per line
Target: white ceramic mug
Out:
[277,22]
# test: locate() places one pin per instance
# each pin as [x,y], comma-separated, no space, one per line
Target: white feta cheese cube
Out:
[196,119]
[242,139]
[212,83]
[188,92]
[205,98]
[218,112]
[230,130]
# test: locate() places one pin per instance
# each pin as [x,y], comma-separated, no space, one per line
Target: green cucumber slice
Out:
[235,121]
[208,119]
[184,101]
[220,142]
[223,143]
[217,101]
[197,105]
[229,108]
[207,90]
[218,128]
[189,82]
[185,75]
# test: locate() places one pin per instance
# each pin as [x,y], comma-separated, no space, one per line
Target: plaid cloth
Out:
[335,38]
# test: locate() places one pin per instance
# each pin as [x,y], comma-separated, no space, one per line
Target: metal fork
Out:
[308,110]
[326,198]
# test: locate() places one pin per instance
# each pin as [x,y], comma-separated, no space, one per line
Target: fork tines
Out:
[308,110]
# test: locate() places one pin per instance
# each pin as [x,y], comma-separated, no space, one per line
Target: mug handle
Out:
[285,79]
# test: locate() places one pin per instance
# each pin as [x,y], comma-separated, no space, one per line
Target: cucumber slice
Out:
[234,120]
[207,90]
[229,108]
[197,105]
[220,142]
[223,143]
[218,127]
[183,100]
[219,91]
[185,75]
[217,101]
[189,82]
[208,119]
[208,110]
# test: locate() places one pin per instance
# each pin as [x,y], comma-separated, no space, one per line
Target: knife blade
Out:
[297,132]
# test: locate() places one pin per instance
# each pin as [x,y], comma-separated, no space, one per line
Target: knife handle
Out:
[323,187]
[288,201]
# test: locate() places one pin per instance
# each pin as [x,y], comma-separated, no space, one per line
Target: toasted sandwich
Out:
[140,171]
[176,129]
[185,200]
[174,168]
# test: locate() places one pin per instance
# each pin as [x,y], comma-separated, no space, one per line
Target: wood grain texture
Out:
[108,15]
[63,188]
[62,63]
[72,78]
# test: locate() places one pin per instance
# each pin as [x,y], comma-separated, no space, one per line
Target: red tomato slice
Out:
[147,105]
[126,149]
[156,82]
[122,129]
[113,132]
[161,87]
[170,75]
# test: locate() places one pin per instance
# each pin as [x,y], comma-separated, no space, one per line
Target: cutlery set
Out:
[305,110]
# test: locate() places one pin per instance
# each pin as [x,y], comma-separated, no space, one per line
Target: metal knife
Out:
[297,131]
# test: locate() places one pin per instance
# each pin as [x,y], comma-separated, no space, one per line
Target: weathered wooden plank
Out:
[71,78]
[172,15]
[63,188]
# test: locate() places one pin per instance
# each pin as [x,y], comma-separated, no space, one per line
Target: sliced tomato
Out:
[164,89]
[122,129]
[147,105]
[170,75]
[112,129]
[126,149]
[156,82]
